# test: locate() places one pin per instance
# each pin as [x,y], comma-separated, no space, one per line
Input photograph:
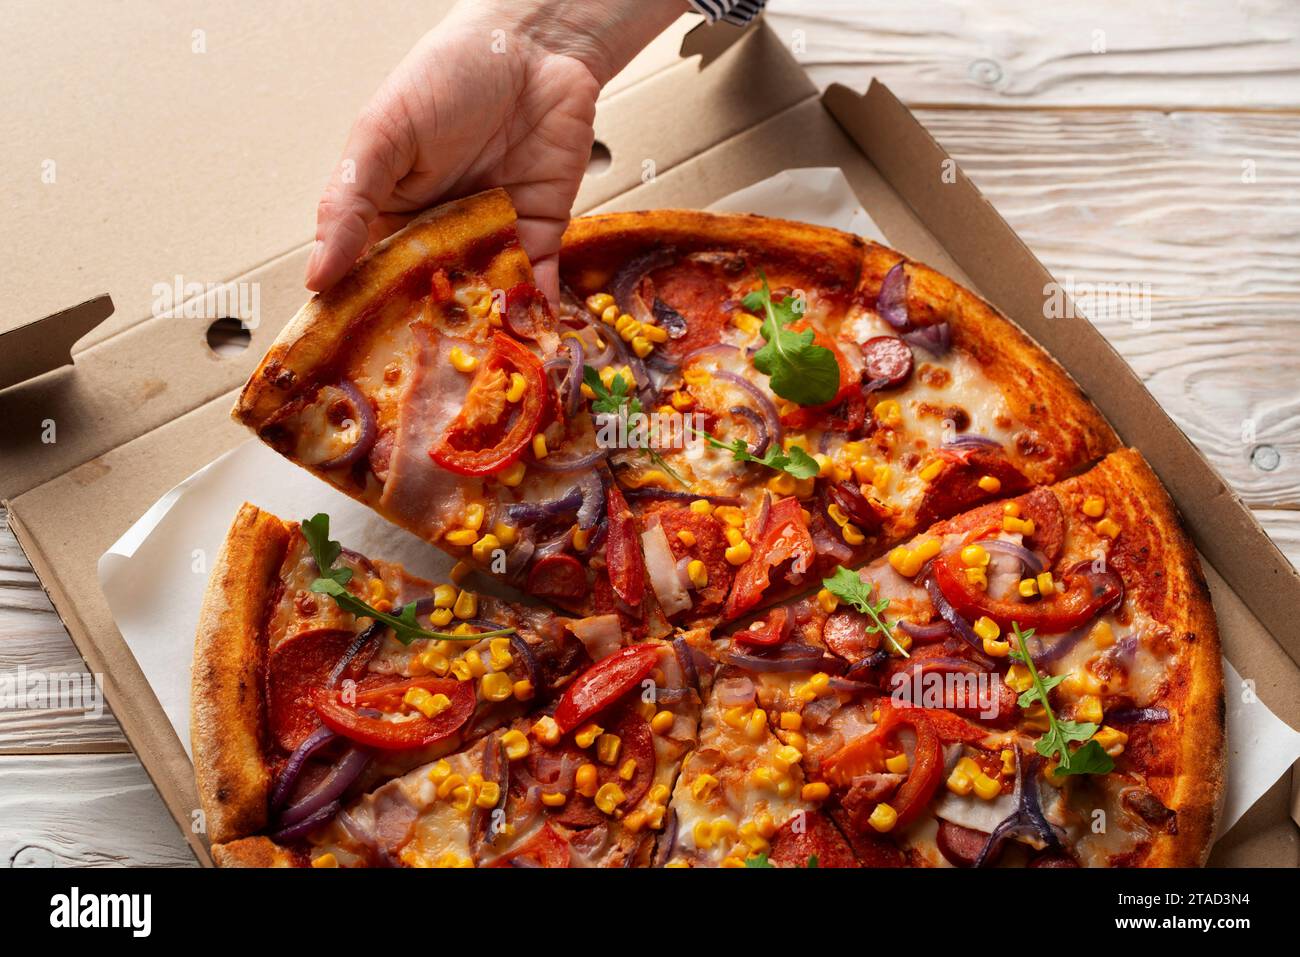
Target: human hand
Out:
[498,94]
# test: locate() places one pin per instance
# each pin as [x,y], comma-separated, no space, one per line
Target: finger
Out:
[377,154]
[540,237]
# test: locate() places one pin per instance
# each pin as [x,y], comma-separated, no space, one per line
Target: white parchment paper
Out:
[155,574]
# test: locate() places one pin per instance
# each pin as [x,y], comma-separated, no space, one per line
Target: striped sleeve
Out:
[738,12]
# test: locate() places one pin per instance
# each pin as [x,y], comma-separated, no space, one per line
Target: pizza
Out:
[823,562]
[722,408]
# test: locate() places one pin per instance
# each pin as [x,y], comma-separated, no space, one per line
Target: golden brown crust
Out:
[1162,572]
[226,696]
[255,852]
[308,344]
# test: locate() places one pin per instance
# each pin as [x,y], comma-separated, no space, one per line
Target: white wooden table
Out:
[1151,143]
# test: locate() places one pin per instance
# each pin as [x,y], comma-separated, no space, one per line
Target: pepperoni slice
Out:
[810,834]
[296,668]
[637,743]
[709,546]
[546,848]
[871,849]
[957,489]
[1044,508]
[845,633]
[887,360]
[557,576]
[960,845]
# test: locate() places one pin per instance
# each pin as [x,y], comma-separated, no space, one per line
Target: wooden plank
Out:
[1165,53]
[33,646]
[1283,526]
[1143,198]
[84,811]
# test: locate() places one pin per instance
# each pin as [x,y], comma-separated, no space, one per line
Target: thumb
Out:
[378,153]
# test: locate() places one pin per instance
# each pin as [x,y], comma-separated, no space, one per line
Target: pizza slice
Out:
[808,398]
[319,672]
[1036,681]
[582,782]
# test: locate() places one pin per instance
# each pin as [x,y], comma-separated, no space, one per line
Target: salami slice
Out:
[887,361]
[810,835]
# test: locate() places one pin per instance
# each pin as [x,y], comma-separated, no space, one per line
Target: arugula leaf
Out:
[797,368]
[332,582]
[812,861]
[617,399]
[1091,758]
[317,532]
[758,860]
[794,461]
[848,587]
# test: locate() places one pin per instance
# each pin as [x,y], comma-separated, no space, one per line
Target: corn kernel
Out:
[608,747]
[546,730]
[702,834]
[1094,506]
[653,333]
[1012,524]
[599,302]
[434,660]
[642,346]
[1011,508]
[522,690]
[461,537]
[986,627]
[827,600]
[587,780]
[609,796]
[702,506]
[512,474]
[440,771]
[1088,709]
[781,484]
[554,798]
[489,793]
[897,764]
[1018,678]
[627,770]
[995,648]
[747,322]
[518,386]
[986,787]
[978,578]
[730,515]
[791,721]
[815,791]
[756,725]
[960,783]
[1112,740]
[931,471]
[786,757]
[462,361]
[429,705]
[852,534]
[484,547]
[462,797]
[837,515]
[974,556]
[1109,527]
[883,818]
[1008,761]
[1045,584]
[738,554]
[496,686]
[662,722]
[449,785]
[466,605]
[325,860]
[889,413]
[586,736]
[1103,636]
[697,573]
[1027,588]
[516,744]
[990,483]
[703,786]
[539,446]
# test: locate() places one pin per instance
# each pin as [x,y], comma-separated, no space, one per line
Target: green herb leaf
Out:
[758,860]
[614,399]
[333,582]
[848,587]
[797,368]
[812,860]
[1091,758]
[794,461]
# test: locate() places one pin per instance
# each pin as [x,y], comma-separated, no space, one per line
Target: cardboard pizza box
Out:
[220,166]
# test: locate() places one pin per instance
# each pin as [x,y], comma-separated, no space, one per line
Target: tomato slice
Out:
[485,448]
[862,756]
[785,537]
[557,576]
[417,732]
[623,555]
[547,848]
[772,632]
[603,683]
[1086,595]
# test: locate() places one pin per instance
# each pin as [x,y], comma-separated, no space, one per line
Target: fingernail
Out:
[313,261]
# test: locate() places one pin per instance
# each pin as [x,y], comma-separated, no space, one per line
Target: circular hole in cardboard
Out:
[600,160]
[228,337]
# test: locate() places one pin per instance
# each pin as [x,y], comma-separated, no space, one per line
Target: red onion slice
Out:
[935,339]
[970,441]
[626,285]
[667,842]
[330,788]
[1027,820]
[1033,562]
[891,303]
[292,769]
[1137,716]
[686,661]
[367,429]
[652,493]
[789,656]
[765,406]
[592,485]
[299,830]
[960,626]
[762,438]
[530,513]
[930,632]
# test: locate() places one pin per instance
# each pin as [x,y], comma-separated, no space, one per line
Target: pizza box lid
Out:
[91,445]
